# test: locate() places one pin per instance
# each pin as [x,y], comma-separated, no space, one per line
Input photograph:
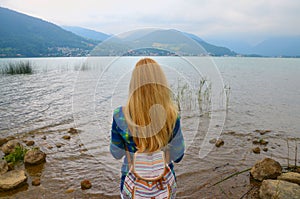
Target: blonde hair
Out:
[150,112]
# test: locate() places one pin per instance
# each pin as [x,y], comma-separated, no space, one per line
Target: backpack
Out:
[149,176]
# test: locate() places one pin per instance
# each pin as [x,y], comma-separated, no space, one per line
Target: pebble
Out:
[265,149]
[213,141]
[29,142]
[72,131]
[85,184]
[256,150]
[58,145]
[71,190]
[219,143]
[36,182]
[66,137]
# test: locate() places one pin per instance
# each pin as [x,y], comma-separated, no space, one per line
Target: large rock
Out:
[12,179]
[3,167]
[9,146]
[279,189]
[3,141]
[290,177]
[266,169]
[34,156]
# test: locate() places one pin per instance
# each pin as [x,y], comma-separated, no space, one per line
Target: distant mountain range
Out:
[25,36]
[286,46]
[173,41]
[87,33]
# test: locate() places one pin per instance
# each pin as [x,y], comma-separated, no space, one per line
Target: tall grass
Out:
[14,68]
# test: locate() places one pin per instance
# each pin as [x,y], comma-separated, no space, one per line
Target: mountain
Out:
[173,41]
[25,36]
[286,46]
[210,48]
[87,33]
[279,46]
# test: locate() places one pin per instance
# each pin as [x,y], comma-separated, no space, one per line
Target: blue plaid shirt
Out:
[120,136]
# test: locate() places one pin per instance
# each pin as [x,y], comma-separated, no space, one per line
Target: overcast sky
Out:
[248,19]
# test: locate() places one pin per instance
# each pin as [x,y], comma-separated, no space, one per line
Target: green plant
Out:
[17,155]
[14,68]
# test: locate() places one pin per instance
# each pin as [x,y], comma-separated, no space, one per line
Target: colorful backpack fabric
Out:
[149,176]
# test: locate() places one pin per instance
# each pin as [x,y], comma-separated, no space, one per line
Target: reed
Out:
[227,90]
[15,68]
[204,95]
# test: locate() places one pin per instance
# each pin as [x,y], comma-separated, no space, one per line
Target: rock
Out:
[9,147]
[34,156]
[12,179]
[213,141]
[36,182]
[58,145]
[29,142]
[49,147]
[85,184]
[44,137]
[262,132]
[11,166]
[255,142]
[72,131]
[279,189]
[256,150]
[219,143]
[3,141]
[266,169]
[261,142]
[70,190]
[3,167]
[265,149]
[290,177]
[66,137]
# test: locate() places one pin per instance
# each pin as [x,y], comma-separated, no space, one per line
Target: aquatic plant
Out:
[204,95]
[14,68]
[227,90]
[17,155]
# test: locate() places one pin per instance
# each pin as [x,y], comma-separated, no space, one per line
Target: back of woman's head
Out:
[150,111]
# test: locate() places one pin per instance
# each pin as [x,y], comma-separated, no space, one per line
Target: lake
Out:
[240,95]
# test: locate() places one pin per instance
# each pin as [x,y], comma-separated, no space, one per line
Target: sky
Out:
[250,20]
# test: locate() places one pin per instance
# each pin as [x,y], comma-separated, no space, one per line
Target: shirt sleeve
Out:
[176,145]
[117,148]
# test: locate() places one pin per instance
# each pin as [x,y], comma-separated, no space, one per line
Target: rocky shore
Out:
[273,180]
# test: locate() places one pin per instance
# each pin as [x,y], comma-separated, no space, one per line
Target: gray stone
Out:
[279,189]
[9,147]
[12,179]
[290,177]
[266,169]
[34,156]
[3,167]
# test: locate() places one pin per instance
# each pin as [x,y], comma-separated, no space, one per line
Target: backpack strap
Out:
[129,160]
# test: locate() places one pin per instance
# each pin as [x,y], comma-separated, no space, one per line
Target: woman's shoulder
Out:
[118,113]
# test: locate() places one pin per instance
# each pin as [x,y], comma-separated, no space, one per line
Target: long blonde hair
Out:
[150,112]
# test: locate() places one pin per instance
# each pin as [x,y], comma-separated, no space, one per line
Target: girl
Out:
[150,121]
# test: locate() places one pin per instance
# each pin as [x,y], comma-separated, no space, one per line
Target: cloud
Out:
[205,17]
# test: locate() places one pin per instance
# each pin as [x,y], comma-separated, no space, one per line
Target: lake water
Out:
[82,92]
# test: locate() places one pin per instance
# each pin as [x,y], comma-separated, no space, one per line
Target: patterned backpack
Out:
[149,176]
